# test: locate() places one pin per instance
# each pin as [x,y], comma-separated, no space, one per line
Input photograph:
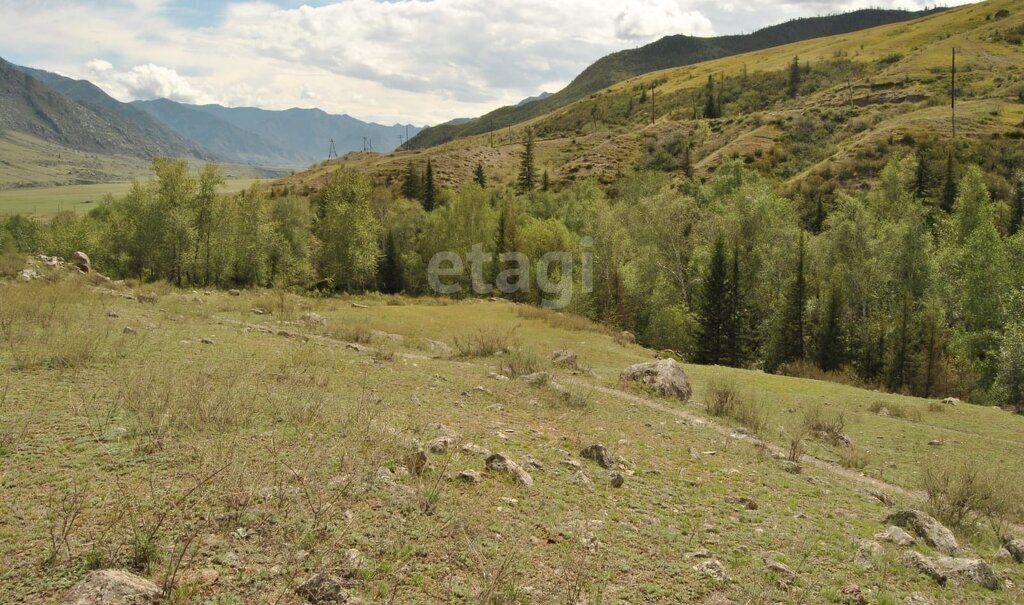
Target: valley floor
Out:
[241,444]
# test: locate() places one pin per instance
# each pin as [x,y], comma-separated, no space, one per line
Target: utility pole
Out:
[333,153]
[952,96]
[491,133]
[652,104]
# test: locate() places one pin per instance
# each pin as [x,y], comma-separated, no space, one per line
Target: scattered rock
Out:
[439,445]
[791,467]
[259,311]
[354,346]
[787,577]
[416,462]
[951,401]
[917,598]
[1003,555]
[322,588]
[27,275]
[473,448]
[572,463]
[112,314]
[206,341]
[617,480]
[536,379]
[236,292]
[469,476]
[713,569]
[895,535]
[529,460]
[148,297]
[313,319]
[438,348]
[925,527]
[882,497]
[1016,549]
[581,478]
[625,338]
[501,463]
[359,306]
[565,359]
[942,568]
[868,551]
[80,260]
[935,442]
[854,595]
[665,376]
[747,503]
[352,562]
[128,330]
[600,454]
[112,587]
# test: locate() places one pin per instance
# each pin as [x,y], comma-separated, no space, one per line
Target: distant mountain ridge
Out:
[668,52]
[78,115]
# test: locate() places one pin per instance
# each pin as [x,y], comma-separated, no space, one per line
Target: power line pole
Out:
[333,153]
[952,95]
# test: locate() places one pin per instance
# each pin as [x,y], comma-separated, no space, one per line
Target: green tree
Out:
[429,188]
[1017,205]
[479,176]
[714,314]
[736,312]
[794,78]
[789,345]
[527,180]
[711,108]
[348,232]
[831,349]
[949,182]
[412,183]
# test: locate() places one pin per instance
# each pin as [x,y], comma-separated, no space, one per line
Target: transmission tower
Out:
[333,153]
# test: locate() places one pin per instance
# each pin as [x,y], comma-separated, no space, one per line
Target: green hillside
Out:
[670,51]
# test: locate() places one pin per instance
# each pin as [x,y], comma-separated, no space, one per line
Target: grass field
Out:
[234,454]
[46,201]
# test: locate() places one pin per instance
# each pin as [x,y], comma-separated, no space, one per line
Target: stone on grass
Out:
[625,338]
[786,576]
[617,480]
[713,569]
[536,379]
[112,587]
[313,319]
[581,478]
[868,552]
[473,448]
[1016,549]
[565,359]
[439,445]
[416,462]
[942,568]
[927,528]
[322,588]
[80,260]
[502,463]
[234,292]
[469,476]
[951,401]
[665,376]
[895,535]
[600,454]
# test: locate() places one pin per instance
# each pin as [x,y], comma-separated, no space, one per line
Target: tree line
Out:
[891,290]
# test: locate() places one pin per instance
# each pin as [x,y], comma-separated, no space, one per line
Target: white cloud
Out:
[421,61]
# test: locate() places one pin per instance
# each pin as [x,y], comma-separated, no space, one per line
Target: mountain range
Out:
[78,115]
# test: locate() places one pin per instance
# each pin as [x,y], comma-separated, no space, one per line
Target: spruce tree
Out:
[479,176]
[735,327]
[830,338]
[714,308]
[412,184]
[391,269]
[794,78]
[790,344]
[711,111]
[545,181]
[429,189]
[527,174]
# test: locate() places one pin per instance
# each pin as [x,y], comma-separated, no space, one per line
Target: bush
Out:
[520,363]
[483,343]
[724,401]
[827,426]
[963,491]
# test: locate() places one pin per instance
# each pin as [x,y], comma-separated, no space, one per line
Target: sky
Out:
[390,61]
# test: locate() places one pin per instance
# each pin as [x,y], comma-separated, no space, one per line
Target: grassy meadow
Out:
[229,447]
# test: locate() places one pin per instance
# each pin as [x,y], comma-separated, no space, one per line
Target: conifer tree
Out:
[391,270]
[479,176]
[412,184]
[715,308]
[830,338]
[949,187]
[735,327]
[545,181]
[794,78]
[790,338]
[527,174]
[1017,205]
[711,111]
[429,188]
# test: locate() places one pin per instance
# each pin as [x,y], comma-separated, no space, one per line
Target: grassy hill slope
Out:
[670,51]
[857,102]
[271,447]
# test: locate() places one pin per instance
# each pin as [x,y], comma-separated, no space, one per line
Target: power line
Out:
[333,153]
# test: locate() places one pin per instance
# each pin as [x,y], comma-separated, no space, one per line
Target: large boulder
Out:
[665,376]
[112,587]
[1015,548]
[81,261]
[600,454]
[895,535]
[942,568]
[927,528]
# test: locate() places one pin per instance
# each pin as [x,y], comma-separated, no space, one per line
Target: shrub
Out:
[725,400]
[482,343]
[520,363]
[962,491]
[854,457]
